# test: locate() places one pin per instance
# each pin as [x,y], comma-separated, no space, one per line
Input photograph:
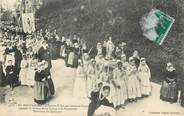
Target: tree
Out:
[120,19]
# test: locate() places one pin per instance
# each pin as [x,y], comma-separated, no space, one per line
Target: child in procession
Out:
[10,73]
[144,76]
[119,80]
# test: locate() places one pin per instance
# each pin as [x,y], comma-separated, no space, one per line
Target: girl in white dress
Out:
[132,81]
[71,55]
[86,61]
[80,90]
[119,79]
[24,71]
[62,49]
[91,77]
[144,76]
[31,68]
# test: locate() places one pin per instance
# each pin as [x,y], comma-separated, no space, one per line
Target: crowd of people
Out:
[104,73]
[27,62]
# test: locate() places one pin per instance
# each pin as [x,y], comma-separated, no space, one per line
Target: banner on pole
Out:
[156,25]
[28,22]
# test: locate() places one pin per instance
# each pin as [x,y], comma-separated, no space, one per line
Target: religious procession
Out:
[105,68]
[107,73]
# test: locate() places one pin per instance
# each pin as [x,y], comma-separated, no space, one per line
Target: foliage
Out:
[92,20]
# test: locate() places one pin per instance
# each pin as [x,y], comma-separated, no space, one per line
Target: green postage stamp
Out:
[156,25]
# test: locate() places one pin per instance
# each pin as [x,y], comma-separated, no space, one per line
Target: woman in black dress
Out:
[49,83]
[67,52]
[41,91]
[169,88]
[76,55]
[62,48]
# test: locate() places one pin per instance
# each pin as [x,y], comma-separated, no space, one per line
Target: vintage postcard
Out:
[92,57]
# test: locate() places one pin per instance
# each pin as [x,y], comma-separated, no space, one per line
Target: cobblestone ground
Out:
[64,78]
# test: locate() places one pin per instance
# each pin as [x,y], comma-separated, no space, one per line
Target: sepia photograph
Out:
[92,57]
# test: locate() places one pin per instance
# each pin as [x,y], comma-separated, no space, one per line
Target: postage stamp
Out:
[156,25]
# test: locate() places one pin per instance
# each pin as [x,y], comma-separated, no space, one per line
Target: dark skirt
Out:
[58,47]
[11,79]
[47,89]
[66,59]
[75,61]
[2,79]
[53,51]
[169,92]
[182,98]
[41,92]
[51,86]
[49,64]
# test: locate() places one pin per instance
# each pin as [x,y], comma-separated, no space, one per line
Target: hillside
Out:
[93,19]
